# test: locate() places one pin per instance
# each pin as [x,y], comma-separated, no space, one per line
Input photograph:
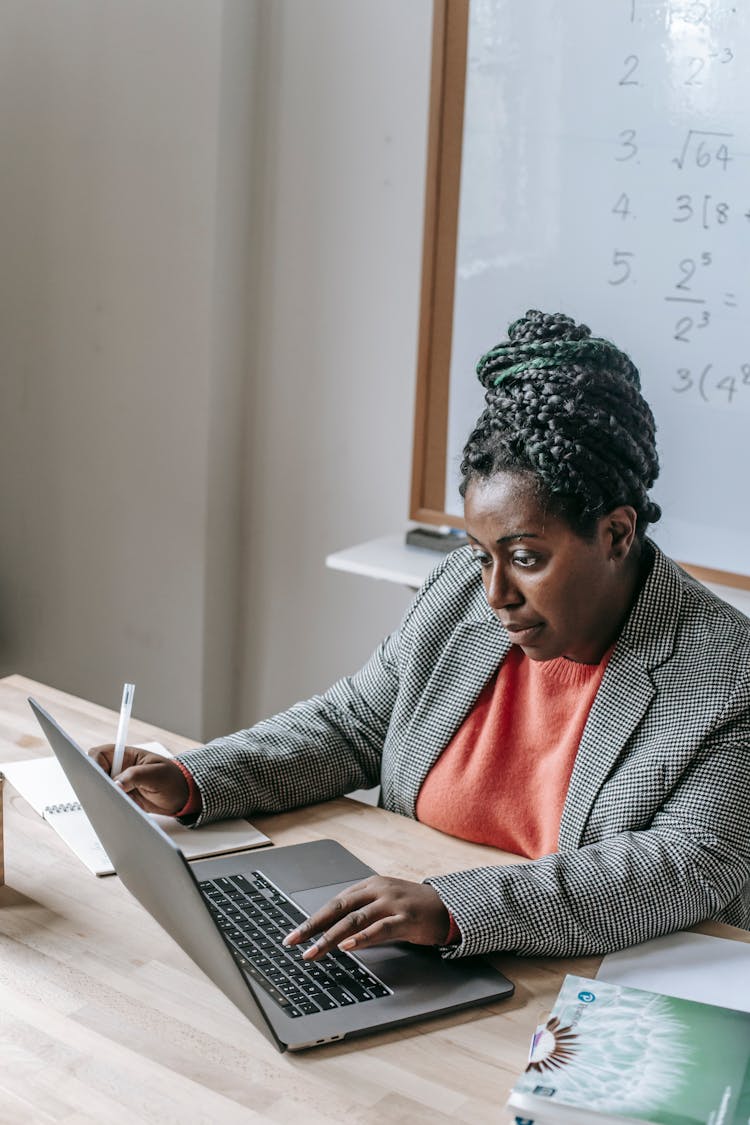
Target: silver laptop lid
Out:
[153,869]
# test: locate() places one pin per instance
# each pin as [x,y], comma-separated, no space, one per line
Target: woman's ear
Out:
[619,527]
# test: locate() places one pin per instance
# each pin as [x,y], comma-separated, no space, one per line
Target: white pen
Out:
[122,729]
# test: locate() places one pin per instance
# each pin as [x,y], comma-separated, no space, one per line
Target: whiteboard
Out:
[605,173]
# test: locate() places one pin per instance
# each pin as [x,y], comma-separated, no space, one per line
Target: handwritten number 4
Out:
[622,207]
[728,384]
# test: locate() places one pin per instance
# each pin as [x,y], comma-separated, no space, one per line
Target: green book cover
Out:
[614,1054]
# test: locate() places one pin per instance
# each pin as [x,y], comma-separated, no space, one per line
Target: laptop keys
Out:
[254,917]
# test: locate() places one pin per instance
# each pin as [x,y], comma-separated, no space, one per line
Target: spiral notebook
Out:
[43,784]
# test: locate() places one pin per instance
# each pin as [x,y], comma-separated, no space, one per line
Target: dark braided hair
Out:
[566,408]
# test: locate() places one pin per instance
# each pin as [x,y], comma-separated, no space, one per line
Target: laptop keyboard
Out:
[255,916]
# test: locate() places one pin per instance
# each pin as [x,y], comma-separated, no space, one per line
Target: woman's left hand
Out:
[376,910]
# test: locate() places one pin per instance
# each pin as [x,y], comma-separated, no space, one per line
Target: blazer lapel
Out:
[627,688]
[473,653]
[621,702]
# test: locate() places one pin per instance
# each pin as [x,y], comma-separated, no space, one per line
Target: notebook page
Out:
[41,782]
[74,827]
[44,785]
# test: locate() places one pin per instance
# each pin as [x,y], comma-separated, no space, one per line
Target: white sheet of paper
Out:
[41,782]
[691,966]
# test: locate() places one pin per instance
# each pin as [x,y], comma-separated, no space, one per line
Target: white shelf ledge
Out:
[388,559]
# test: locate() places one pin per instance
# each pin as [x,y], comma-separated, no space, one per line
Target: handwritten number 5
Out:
[621,261]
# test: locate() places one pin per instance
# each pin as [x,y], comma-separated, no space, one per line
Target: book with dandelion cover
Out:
[612,1055]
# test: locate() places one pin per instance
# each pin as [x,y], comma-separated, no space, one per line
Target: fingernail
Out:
[309,952]
[348,943]
[290,938]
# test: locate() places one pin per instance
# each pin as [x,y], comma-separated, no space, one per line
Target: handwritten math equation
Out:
[699,198]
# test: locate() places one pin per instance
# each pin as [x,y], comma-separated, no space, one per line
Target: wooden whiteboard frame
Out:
[449,42]
[445,136]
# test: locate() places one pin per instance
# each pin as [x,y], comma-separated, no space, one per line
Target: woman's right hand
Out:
[154,782]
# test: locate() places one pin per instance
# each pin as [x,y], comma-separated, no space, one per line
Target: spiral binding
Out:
[70,806]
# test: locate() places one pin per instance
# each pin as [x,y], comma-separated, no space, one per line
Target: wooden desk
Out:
[104,1019]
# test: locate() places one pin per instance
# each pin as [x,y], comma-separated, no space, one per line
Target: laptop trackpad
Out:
[312,900]
[299,868]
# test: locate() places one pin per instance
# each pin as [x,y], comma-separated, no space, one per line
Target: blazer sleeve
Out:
[315,751]
[690,864]
[319,749]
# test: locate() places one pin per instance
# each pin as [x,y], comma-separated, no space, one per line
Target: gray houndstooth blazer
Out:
[655,833]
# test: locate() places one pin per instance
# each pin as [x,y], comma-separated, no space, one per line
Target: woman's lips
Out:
[522,634]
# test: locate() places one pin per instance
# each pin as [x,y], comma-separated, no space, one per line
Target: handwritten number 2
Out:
[631,65]
[687,269]
[683,326]
[695,66]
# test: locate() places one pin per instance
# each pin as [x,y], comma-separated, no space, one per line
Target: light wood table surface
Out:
[104,1020]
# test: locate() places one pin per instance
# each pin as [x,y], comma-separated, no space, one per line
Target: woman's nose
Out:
[501,590]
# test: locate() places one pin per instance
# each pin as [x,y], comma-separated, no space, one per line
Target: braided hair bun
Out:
[566,407]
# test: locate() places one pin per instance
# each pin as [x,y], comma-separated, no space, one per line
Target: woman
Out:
[558,688]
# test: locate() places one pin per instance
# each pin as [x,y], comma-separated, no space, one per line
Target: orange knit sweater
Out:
[503,777]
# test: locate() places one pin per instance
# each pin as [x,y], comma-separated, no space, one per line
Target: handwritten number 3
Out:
[627,140]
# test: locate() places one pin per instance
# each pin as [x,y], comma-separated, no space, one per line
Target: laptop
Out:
[230,913]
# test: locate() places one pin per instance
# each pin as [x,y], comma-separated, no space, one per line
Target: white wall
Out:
[211,227]
[332,403]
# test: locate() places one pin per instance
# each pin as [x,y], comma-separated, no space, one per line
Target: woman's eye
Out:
[525,560]
[483,560]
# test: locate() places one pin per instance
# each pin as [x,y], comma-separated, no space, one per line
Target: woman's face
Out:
[556,593]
